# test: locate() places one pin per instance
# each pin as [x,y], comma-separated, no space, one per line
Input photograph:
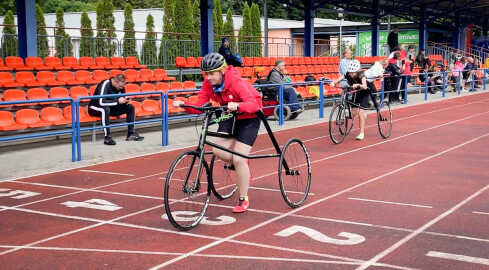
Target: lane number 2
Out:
[351,238]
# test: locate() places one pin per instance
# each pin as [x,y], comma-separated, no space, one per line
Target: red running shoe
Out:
[241,206]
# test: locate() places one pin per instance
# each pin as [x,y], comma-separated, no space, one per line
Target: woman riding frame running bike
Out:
[223,83]
[357,80]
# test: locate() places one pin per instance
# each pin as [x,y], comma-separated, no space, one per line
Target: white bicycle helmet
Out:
[353,66]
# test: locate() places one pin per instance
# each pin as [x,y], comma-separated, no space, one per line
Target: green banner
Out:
[405,37]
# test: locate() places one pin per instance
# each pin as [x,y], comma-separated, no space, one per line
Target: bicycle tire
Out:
[338,124]
[224,181]
[185,205]
[384,119]
[293,185]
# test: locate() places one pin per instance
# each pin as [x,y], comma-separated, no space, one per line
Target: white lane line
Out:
[90,171]
[278,190]
[419,230]
[458,257]
[386,202]
[314,203]
[480,213]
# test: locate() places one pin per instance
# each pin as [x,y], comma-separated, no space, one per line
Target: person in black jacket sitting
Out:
[225,51]
[106,107]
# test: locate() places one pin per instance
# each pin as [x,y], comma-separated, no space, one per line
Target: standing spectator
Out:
[393,39]
[456,71]
[457,56]
[344,65]
[411,56]
[394,71]
[276,76]
[376,72]
[225,51]
[106,107]
[420,58]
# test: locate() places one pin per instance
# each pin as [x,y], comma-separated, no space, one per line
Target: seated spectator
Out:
[420,58]
[435,79]
[225,51]
[276,76]
[411,56]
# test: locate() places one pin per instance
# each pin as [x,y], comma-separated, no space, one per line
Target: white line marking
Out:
[386,202]
[419,230]
[480,213]
[311,204]
[278,190]
[90,171]
[457,257]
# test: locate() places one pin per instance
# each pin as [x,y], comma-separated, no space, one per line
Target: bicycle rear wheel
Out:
[338,124]
[187,193]
[224,182]
[384,119]
[296,181]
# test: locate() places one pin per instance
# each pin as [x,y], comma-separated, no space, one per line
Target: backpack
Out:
[309,78]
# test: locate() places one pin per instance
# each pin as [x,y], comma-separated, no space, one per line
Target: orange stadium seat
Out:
[83,117]
[100,75]
[26,78]
[248,61]
[257,61]
[115,72]
[176,86]
[48,78]
[132,75]
[38,93]
[315,60]
[180,62]
[71,62]
[117,61]
[148,87]
[162,86]
[160,75]
[89,62]
[53,115]
[150,105]
[59,92]
[307,60]
[67,77]
[84,77]
[7,122]
[295,60]
[146,75]
[272,61]
[15,95]
[193,99]
[78,91]
[247,72]
[3,67]
[192,62]
[54,63]
[133,62]
[104,62]
[16,63]
[36,63]
[131,88]
[137,109]
[265,61]
[189,85]
[30,118]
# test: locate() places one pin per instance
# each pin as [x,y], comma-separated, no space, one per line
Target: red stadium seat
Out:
[3,67]
[189,85]
[83,116]
[59,92]
[148,87]
[160,75]
[181,62]
[133,62]
[117,61]
[71,62]
[132,75]
[192,62]
[7,122]
[151,105]
[100,75]
[131,88]
[89,62]
[30,118]
[27,79]
[78,91]
[138,110]
[115,72]
[54,63]
[176,86]
[48,78]
[104,62]
[16,63]
[162,86]
[36,63]
[38,93]
[15,95]
[67,77]
[84,77]
[146,75]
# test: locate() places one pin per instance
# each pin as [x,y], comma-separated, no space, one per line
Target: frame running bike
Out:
[191,180]
[341,119]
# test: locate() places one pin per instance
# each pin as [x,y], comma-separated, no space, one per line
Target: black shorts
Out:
[361,97]
[244,130]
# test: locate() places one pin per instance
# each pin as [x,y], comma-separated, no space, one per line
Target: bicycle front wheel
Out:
[338,124]
[187,192]
[294,172]
[224,181]
[384,119]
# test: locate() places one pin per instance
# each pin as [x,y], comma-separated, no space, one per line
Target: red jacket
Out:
[236,89]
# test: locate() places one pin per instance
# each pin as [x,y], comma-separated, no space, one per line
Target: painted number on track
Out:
[97,204]
[17,194]
[183,215]
[351,238]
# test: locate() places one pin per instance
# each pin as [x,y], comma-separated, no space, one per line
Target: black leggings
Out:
[106,112]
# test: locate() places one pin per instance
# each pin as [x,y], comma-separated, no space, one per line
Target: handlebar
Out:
[207,107]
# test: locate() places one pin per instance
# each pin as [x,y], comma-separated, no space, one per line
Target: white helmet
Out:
[353,66]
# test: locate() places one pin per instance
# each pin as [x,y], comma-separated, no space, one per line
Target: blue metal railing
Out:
[72,130]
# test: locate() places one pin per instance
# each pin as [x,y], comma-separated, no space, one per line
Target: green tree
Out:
[256,30]
[50,6]
[42,39]
[5,6]
[86,42]
[149,53]
[228,29]
[105,29]
[245,30]
[168,45]
[62,38]
[9,41]
[129,41]
[218,24]
[184,24]
[196,10]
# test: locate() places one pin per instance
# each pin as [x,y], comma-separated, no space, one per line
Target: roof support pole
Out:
[309,28]
[456,34]
[422,28]
[26,18]
[485,27]
[206,26]
[375,28]
[265,13]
